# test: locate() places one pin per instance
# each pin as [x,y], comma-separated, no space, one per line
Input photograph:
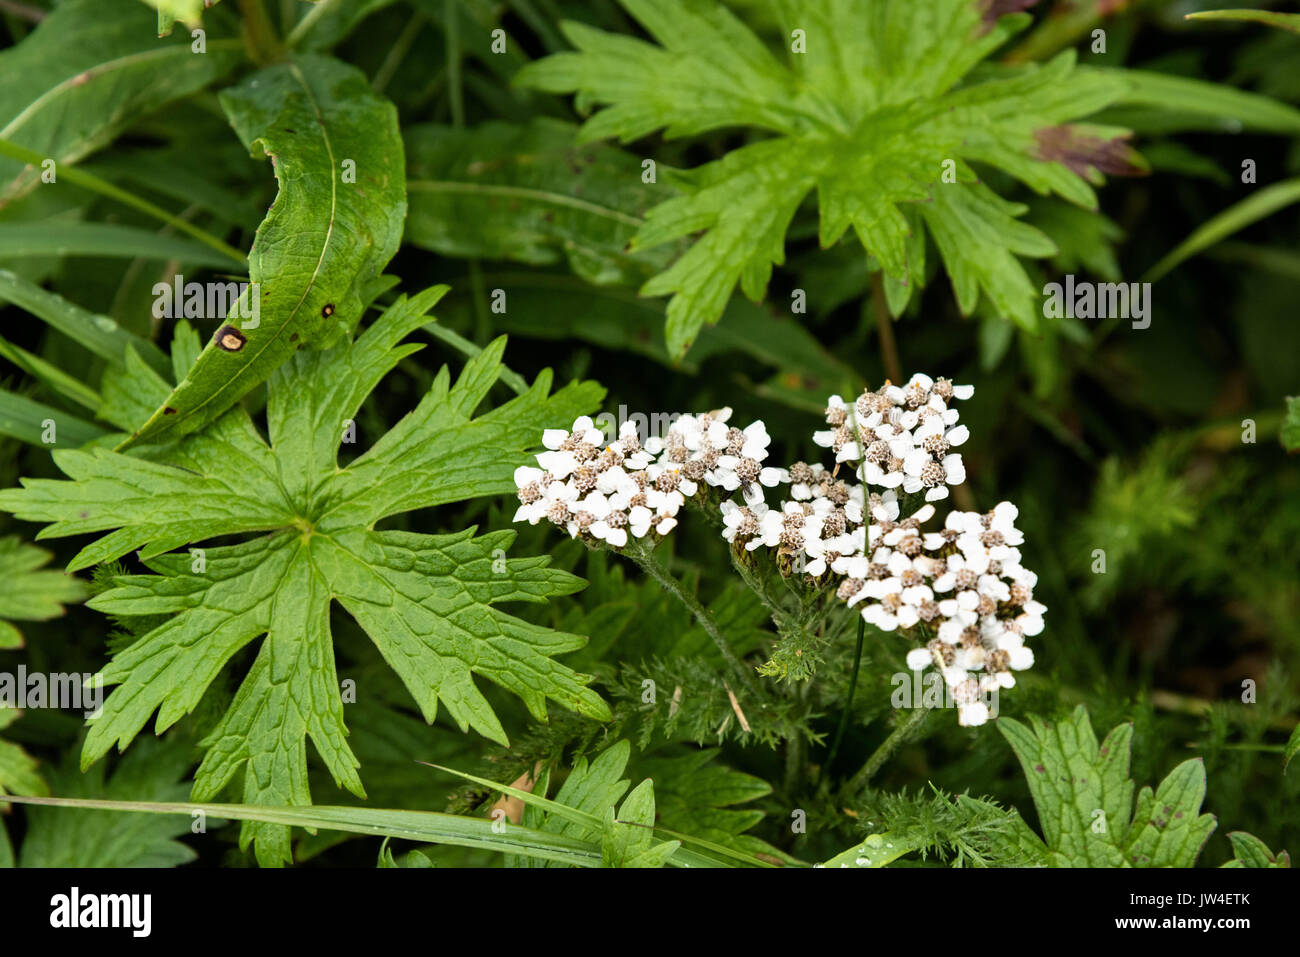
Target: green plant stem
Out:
[848,702]
[93,183]
[643,555]
[260,38]
[898,737]
[885,329]
[304,25]
[401,47]
[454,91]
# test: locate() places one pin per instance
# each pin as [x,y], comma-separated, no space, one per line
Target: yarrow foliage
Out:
[961,592]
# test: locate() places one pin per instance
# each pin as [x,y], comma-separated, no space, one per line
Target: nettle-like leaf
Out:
[425,600]
[879,109]
[31,592]
[1084,798]
[335,224]
[87,72]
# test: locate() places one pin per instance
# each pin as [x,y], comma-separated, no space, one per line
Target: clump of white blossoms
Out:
[901,436]
[960,593]
[608,492]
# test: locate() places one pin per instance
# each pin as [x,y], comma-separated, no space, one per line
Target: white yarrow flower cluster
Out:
[610,492]
[903,436]
[961,591]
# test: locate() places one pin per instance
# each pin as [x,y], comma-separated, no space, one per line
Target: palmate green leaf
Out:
[524,192]
[86,73]
[425,600]
[30,592]
[187,11]
[1084,798]
[870,117]
[337,221]
[59,837]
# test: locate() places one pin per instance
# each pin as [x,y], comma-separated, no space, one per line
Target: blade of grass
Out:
[18,240]
[51,375]
[22,418]
[100,334]
[104,188]
[430,827]
[1237,217]
[683,856]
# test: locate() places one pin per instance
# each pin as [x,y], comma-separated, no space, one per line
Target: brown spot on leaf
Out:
[230,338]
[1086,155]
[293,337]
[169,411]
[328,310]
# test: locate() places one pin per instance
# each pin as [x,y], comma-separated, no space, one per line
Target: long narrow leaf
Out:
[1235,218]
[430,827]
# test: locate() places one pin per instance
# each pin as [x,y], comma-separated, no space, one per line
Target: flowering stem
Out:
[885,329]
[643,555]
[848,702]
[899,736]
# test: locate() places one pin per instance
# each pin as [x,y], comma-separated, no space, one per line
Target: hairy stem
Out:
[898,737]
[643,555]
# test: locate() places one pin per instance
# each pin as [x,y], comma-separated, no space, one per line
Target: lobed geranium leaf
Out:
[1085,802]
[880,113]
[337,221]
[426,601]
